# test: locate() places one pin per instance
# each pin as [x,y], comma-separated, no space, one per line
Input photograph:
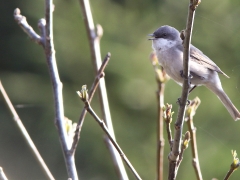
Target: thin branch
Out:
[2,175]
[174,154]
[161,78]
[229,173]
[191,110]
[25,134]
[94,36]
[167,116]
[46,40]
[42,28]
[109,146]
[95,84]
[234,166]
[57,91]
[160,138]
[184,146]
[22,22]
[84,97]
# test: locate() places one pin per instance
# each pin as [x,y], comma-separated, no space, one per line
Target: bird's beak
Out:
[152,35]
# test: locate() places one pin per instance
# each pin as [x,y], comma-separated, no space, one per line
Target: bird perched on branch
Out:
[168,47]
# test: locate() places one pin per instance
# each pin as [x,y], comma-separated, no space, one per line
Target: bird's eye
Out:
[164,34]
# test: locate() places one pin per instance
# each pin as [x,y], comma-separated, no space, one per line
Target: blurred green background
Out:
[130,81]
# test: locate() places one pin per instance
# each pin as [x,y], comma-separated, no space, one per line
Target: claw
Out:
[179,101]
[181,74]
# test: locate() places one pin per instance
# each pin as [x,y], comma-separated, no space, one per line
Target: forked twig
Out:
[95,84]
[22,22]
[84,97]
[25,134]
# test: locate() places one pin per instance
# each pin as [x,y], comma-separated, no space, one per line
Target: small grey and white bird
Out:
[168,47]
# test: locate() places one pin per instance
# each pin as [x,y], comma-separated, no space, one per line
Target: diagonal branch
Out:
[234,166]
[22,22]
[94,36]
[184,146]
[2,175]
[84,97]
[95,84]
[25,134]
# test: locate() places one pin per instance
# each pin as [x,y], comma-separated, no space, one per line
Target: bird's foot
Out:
[182,75]
[179,102]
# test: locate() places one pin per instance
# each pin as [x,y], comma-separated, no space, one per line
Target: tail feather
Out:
[226,102]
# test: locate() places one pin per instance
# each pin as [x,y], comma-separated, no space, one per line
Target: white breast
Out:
[170,58]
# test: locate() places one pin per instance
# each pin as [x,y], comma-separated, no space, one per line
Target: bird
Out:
[168,47]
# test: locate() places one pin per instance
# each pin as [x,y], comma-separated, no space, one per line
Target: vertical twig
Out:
[94,39]
[191,110]
[25,134]
[160,138]
[161,78]
[174,154]
[167,116]
[57,91]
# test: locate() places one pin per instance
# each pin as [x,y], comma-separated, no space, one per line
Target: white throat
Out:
[161,44]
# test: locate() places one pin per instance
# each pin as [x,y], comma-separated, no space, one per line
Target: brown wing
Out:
[197,56]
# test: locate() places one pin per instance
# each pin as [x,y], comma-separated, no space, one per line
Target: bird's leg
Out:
[191,74]
[179,101]
[192,89]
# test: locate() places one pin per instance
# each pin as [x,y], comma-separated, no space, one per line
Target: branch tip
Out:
[187,138]
[83,94]
[167,113]
[191,109]
[16,12]
[108,54]
[99,31]
[236,162]
[42,22]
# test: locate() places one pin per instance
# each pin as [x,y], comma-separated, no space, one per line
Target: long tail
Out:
[226,101]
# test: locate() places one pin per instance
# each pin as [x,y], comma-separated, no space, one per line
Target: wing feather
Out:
[200,58]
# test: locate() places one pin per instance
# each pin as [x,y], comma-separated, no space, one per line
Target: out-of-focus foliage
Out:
[130,83]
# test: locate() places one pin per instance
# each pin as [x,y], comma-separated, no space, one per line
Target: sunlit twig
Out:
[84,97]
[191,110]
[95,84]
